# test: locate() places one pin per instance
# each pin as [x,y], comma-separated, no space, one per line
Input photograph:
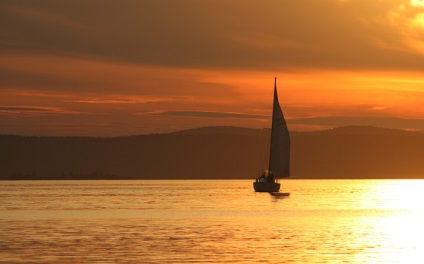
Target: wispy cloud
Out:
[208,114]
[105,101]
[134,100]
[34,110]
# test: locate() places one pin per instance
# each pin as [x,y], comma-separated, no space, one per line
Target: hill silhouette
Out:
[214,153]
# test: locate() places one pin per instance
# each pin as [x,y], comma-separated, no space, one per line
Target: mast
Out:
[272,122]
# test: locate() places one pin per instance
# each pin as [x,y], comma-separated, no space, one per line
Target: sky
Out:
[112,68]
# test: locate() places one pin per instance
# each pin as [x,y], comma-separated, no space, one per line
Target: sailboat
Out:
[279,156]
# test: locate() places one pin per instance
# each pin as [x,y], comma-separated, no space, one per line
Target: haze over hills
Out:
[214,153]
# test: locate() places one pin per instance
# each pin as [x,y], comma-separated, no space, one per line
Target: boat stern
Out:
[266,186]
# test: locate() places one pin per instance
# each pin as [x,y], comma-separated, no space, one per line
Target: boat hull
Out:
[266,186]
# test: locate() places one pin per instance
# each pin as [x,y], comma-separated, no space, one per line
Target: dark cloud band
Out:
[239,34]
[206,114]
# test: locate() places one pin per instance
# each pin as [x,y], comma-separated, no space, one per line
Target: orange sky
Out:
[110,68]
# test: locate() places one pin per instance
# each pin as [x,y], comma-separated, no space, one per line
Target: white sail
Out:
[279,159]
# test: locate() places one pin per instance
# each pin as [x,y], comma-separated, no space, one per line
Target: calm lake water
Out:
[217,221]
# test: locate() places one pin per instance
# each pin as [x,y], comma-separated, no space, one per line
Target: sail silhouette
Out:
[279,156]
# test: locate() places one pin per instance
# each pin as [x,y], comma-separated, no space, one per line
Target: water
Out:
[322,221]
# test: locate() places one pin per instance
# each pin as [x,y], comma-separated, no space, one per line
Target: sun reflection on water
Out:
[404,195]
[402,238]
[417,3]
[399,230]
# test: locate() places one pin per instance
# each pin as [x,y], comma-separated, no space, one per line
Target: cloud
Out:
[209,114]
[84,76]
[105,101]
[34,110]
[134,100]
[238,34]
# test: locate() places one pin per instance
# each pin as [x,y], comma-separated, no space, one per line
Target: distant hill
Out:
[223,130]
[364,130]
[214,153]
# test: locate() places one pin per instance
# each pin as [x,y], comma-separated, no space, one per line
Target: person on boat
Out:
[262,178]
[270,177]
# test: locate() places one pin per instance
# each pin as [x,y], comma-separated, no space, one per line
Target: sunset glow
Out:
[136,68]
